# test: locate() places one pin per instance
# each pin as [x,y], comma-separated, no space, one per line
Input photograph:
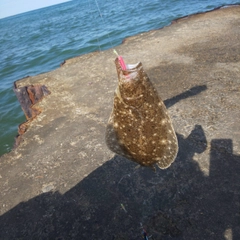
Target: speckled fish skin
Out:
[139,127]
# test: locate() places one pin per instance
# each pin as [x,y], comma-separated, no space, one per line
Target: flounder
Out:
[139,127]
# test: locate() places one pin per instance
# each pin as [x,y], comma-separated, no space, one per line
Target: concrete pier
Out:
[63,183]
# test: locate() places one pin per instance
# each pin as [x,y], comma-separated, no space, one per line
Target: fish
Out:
[139,127]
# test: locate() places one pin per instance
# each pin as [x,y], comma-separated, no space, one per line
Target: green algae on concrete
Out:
[63,183]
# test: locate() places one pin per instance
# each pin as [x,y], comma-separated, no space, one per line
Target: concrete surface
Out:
[63,183]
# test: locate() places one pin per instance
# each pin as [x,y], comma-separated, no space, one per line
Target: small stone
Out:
[47,187]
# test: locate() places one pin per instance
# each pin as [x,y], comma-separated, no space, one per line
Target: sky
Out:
[13,7]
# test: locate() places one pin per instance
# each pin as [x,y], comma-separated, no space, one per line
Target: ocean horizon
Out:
[39,41]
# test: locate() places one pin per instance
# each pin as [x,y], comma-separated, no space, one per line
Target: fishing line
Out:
[121,61]
[94,21]
[100,13]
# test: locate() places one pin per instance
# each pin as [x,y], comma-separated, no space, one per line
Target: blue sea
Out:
[39,41]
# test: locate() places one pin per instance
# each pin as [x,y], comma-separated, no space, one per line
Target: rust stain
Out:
[62,63]
[28,96]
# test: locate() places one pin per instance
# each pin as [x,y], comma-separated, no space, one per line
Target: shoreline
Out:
[126,39]
[22,128]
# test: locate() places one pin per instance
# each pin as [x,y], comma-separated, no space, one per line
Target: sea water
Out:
[39,41]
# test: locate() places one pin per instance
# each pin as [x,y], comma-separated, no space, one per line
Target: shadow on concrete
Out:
[189,93]
[177,203]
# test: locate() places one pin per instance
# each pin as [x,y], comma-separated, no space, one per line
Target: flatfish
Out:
[139,127]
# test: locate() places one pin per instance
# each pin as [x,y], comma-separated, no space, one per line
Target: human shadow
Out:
[202,207]
[180,202]
[112,202]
